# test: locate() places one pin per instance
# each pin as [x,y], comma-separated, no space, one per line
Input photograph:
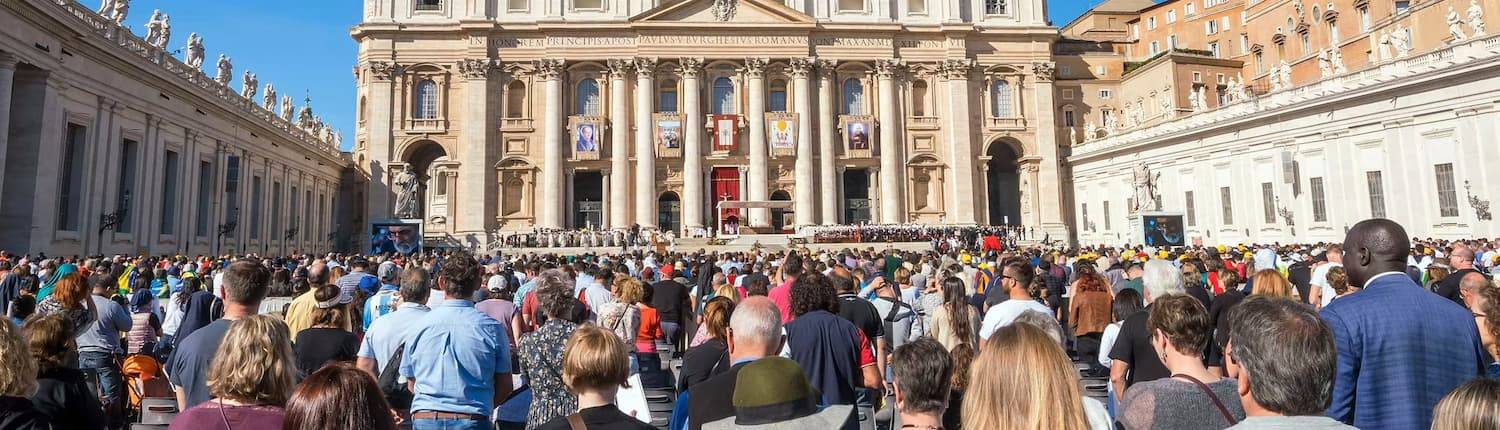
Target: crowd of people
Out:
[1378,332]
[585,238]
[943,238]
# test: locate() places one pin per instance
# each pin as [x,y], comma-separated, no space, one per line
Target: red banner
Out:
[726,187]
[726,132]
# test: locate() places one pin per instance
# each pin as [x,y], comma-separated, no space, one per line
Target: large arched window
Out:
[427,100]
[919,98]
[1000,99]
[854,97]
[515,100]
[723,96]
[588,98]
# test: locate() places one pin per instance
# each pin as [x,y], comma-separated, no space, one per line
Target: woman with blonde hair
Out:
[17,382]
[594,368]
[1475,405]
[1269,282]
[1023,380]
[623,316]
[250,378]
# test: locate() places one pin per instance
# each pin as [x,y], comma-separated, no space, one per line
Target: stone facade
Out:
[109,144]
[522,114]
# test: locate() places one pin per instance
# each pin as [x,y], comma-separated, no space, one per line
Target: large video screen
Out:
[1163,230]
[395,237]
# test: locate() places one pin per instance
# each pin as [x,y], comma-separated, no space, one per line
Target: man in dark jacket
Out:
[755,332]
[670,298]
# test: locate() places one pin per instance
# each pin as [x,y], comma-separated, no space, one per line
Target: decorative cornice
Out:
[691,66]
[755,67]
[801,67]
[476,68]
[618,68]
[886,68]
[549,68]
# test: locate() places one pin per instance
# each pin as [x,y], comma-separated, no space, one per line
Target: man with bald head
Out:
[1462,260]
[754,333]
[1400,348]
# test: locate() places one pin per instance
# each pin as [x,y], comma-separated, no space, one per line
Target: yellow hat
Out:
[1221,249]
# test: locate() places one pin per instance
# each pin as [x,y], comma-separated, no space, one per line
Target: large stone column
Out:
[801,71]
[755,73]
[619,138]
[827,143]
[892,202]
[645,153]
[692,147]
[7,85]
[379,123]
[476,199]
[959,134]
[1049,173]
[552,198]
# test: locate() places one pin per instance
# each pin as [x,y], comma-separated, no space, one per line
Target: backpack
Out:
[390,381]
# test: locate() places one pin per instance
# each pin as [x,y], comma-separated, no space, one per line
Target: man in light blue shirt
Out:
[457,359]
[384,301]
[388,332]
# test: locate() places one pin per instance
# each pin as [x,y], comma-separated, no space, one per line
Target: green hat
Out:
[773,393]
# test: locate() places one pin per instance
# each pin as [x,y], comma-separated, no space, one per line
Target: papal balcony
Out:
[1004,124]
[922,122]
[433,125]
[516,124]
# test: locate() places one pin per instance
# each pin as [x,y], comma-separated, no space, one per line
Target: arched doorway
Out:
[426,197]
[778,215]
[1003,184]
[669,212]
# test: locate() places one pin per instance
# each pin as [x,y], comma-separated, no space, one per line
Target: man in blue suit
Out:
[1400,348]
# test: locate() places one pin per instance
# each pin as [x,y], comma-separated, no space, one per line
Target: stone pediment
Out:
[731,12]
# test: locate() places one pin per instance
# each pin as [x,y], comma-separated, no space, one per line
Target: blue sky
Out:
[303,46]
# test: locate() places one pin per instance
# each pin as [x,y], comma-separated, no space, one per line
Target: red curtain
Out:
[726,186]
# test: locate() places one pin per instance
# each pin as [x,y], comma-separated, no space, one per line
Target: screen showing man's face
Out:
[403,234]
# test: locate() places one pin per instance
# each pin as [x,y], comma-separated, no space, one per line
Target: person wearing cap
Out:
[384,300]
[358,279]
[772,393]
[329,339]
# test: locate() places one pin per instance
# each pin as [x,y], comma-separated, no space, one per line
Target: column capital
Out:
[692,67]
[826,68]
[1043,70]
[8,61]
[476,68]
[801,67]
[618,68]
[956,69]
[549,69]
[645,66]
[755,67]
[888,67]
[383,70]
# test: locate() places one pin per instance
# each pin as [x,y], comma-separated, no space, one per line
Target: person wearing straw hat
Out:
[772,393]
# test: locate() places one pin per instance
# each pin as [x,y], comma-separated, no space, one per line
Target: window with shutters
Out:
[1190,208]
[1447,193]
[1376,187]
[1227,205]
[1320,206]
[1268,201]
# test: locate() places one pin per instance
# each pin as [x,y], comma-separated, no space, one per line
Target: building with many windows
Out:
[110,145]
[510,115]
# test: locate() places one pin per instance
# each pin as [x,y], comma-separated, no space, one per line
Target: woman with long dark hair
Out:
[955,322]
[198,311]
[338,396]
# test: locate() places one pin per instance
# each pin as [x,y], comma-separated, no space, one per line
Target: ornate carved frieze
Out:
[755,67]
[549,68]
[476,68]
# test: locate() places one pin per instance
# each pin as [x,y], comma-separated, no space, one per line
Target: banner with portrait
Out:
[668,135]
[588,137]
[396,237]
[726,129]
[781,133]
[859,134]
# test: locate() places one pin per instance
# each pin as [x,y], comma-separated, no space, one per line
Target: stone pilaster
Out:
[476,200]
[959,134]
[828,136]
